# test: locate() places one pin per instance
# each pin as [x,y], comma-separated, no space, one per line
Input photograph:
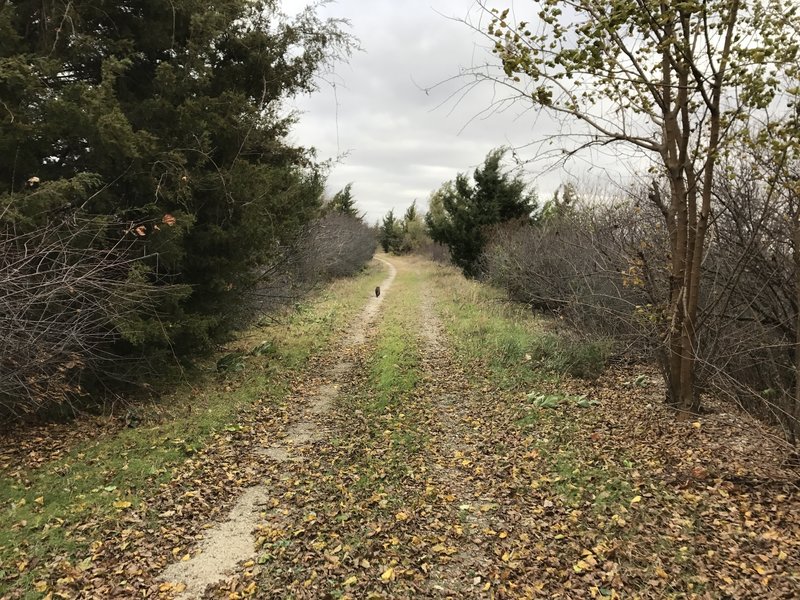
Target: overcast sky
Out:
[398,143]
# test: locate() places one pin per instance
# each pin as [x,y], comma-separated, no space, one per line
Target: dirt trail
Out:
[231,542]
[340,522]
[452,457]
[402,462]
[402,468]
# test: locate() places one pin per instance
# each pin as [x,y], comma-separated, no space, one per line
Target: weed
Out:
[555,400]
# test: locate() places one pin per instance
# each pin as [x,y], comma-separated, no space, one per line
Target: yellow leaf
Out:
[40,586]
[180,588]
[401,516]
[165,587]
[352,580]
[661,573]
[636,499]
[760,570]
[122,504]
[40,500]
[696,424]
[250,589]
[581,566]
[388,574]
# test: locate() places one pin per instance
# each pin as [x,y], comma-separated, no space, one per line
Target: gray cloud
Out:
[401,142]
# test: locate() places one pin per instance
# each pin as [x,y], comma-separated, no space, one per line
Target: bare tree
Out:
[334,245]
[600,268]
[68,297]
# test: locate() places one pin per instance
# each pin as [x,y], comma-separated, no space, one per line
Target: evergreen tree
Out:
[391,232]
[164,117]
[562,203]
[411,214]
[413,231]
[344,202]
[461,212]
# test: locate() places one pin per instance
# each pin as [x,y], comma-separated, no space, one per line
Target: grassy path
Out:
[433,443]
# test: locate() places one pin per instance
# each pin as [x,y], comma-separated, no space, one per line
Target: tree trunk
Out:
[794,414]
[688,187]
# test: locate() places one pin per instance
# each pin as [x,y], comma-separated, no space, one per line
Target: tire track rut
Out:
[231,542]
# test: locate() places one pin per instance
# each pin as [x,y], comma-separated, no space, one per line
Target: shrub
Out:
[602,269]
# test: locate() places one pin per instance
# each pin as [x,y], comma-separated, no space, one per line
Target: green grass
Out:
[516,350]
[392,375]
[393,371]
[517,347]
[40,507]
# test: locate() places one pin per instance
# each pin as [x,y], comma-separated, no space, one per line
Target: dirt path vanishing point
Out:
[231,542]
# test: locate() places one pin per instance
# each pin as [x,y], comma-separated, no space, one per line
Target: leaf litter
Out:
[464,488]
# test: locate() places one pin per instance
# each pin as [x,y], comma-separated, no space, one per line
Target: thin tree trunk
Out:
[794,420]
[674,157]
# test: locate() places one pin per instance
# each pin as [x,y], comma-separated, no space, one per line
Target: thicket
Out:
[147,190]
[683,85]
[336,244]
[600,266]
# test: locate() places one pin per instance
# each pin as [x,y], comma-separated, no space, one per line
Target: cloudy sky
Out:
[396,141]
